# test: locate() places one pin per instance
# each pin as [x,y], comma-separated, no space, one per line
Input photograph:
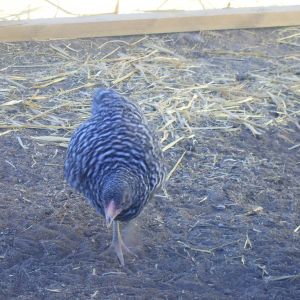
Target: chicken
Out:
[115,161]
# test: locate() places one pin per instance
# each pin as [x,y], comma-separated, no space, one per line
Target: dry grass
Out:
[48,85]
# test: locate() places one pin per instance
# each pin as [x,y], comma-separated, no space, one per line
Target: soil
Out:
[226,229]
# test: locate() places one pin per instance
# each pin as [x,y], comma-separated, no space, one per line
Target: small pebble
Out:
[220,207]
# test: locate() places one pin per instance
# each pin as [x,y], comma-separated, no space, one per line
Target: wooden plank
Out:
[147,23]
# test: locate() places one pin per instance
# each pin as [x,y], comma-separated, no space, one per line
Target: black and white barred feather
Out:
[113,152]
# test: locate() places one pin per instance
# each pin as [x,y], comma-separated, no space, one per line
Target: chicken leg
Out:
[118,244]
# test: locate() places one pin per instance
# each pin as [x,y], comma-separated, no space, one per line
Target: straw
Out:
[52,87]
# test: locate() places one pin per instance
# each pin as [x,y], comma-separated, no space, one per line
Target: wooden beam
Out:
[147,23]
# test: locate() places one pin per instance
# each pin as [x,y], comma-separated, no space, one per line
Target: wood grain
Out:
[148,23]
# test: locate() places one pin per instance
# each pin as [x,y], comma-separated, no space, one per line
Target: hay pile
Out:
[183,83]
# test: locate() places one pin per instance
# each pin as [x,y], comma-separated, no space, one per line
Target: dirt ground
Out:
[227,228]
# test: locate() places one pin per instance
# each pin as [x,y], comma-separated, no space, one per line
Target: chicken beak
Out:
[108,221]
[110,213]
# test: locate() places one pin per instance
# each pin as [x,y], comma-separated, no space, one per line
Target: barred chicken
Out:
[115,161]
